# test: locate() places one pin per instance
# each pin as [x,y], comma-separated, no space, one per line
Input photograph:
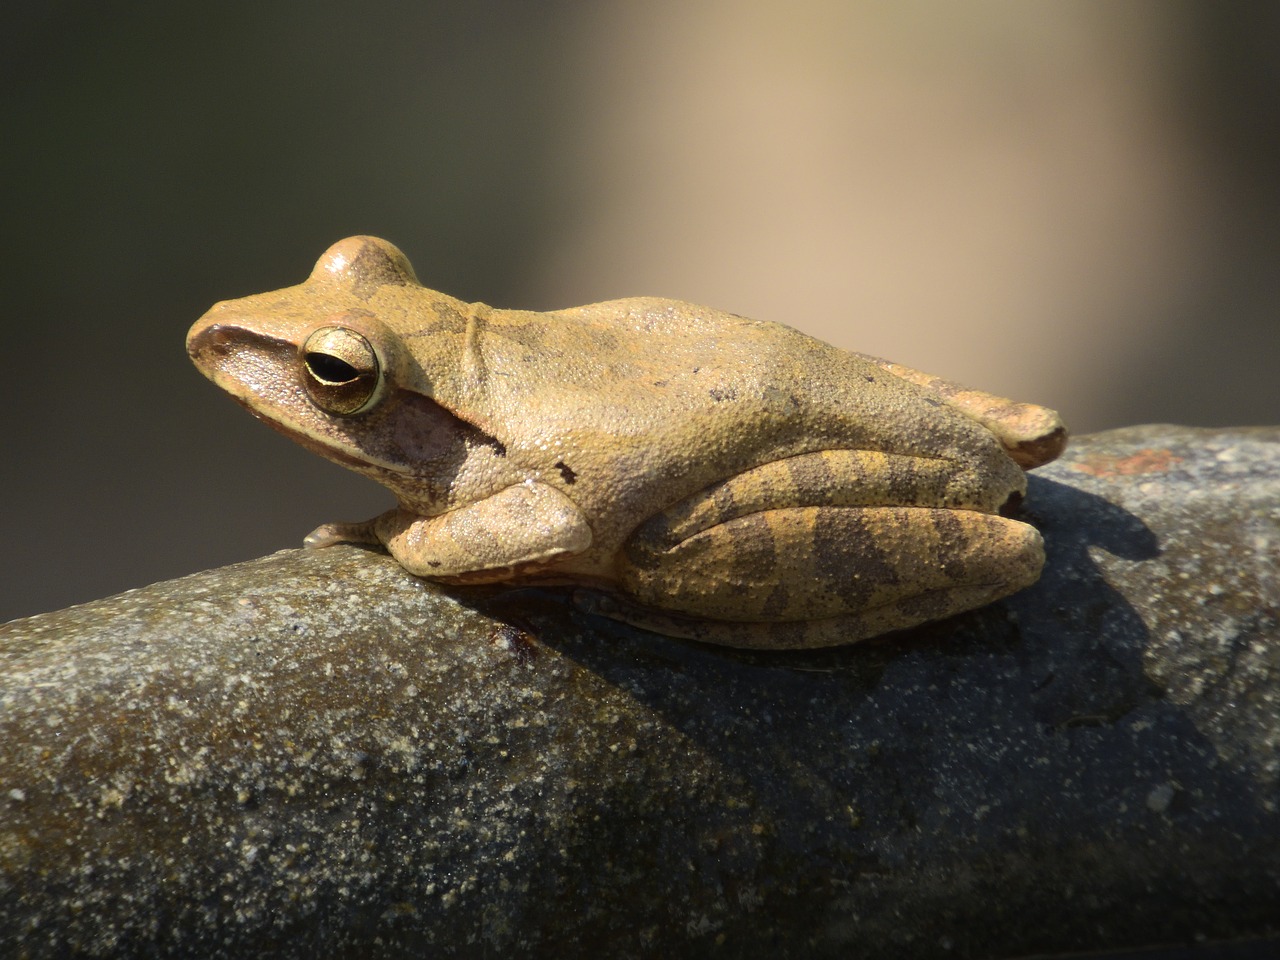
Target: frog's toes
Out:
[326,535]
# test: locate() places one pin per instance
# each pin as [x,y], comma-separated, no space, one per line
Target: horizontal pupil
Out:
[330,369]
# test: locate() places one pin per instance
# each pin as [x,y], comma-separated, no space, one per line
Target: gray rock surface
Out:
[314,754]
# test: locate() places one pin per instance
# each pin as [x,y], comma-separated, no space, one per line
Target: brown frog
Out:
[690,471]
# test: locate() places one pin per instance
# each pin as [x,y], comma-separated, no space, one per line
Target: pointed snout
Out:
[208,340]
[230,346]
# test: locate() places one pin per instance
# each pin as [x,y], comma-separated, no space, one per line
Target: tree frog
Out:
[686,470]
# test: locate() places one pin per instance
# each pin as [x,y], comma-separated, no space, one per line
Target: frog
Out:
[678,468]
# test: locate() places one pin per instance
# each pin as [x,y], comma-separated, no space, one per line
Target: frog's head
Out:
[326,363]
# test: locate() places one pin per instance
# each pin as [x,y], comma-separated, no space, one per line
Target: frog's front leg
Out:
[516,531]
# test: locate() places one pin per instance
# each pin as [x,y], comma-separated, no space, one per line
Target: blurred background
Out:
[1072,203]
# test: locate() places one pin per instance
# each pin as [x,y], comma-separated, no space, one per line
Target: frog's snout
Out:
[225,349]
[210,342]
[200,339]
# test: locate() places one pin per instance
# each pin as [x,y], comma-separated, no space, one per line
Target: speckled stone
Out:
[314,754]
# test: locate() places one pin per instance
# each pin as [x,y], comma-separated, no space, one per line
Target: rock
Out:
[314,754]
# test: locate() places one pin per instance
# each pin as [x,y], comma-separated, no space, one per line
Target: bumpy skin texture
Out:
[695,472]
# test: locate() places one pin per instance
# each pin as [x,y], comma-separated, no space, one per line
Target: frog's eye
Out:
[340,370]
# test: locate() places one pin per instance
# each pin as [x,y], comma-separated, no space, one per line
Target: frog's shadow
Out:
[1071,610]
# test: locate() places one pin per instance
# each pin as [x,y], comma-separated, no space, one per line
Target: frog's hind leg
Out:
[1031,435]
[820,576]
[835,478]
[787,634]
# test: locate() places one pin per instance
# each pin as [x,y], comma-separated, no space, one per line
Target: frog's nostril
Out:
[206,338]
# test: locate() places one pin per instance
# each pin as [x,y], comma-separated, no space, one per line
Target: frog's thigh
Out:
[515,531]
[832,478]
[867,569]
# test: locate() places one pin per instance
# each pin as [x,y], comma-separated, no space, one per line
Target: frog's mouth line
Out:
[320,448]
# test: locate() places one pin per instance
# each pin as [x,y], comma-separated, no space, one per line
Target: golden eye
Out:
[340,370]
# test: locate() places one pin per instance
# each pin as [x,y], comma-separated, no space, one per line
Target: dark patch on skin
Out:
[409,443]
[648,544]
[722,497]
[782,402]
[643,550]
[776,604]
[660,383]
[373,268]
[719,394]
[811,478]
[448,320]
[951,535]
[907,487]
[933,402]
[423,431]
[869,378]
[347,315]
[842,546]
[742,551]
[565,472]
[603,340]
[531,336]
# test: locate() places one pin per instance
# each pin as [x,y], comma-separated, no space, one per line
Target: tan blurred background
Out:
[1073,203]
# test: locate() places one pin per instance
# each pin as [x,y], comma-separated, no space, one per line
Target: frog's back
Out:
[682,384]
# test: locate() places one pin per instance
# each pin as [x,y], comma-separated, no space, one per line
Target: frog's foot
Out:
[326,535]
[816,576]
[1031,435]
